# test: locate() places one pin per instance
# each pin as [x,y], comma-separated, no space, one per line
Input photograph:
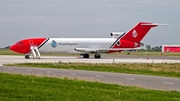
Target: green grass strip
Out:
[15,87]
[159,69]
[7,52]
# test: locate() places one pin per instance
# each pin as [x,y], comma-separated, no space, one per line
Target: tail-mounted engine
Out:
[141,44]
[116,34]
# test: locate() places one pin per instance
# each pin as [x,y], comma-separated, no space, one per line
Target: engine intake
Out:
[116,34]
[141,44]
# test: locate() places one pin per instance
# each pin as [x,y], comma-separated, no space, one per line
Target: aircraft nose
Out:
[12,48]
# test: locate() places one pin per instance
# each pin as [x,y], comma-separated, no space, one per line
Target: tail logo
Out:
[134,34]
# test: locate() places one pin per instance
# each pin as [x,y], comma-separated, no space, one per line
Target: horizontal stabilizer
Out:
[154,24]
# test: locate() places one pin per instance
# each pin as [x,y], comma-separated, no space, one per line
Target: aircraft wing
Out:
[101,50]
[92,50]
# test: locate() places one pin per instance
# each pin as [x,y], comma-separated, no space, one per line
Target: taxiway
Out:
[7,59]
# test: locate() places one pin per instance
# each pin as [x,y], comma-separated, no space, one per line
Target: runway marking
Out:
[72,73]
[171,83]
[130,78]
[28,70]
[99,76]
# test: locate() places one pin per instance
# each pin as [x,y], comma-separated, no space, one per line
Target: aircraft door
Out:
[31,43]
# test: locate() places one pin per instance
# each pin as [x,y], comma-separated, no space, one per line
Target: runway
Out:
[151,82]
[6,59]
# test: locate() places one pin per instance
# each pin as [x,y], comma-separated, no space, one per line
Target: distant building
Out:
[171,48]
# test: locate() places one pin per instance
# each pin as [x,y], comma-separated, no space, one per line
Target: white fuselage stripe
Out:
[43,43]
[67,45]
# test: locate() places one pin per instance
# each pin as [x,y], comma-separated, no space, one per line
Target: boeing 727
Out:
[118,42]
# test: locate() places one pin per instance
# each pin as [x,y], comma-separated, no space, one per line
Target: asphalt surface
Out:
[7,59]
[140,57]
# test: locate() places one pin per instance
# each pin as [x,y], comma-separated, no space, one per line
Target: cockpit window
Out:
[20,43]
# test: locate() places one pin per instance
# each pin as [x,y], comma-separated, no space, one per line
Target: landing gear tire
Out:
[97,56]
[85,55]
[27,57]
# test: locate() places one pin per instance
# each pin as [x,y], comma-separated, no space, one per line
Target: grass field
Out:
[30,88]
[7,52]
[160,69]
[145,53]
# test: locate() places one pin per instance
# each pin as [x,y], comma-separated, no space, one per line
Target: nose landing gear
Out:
[27,57]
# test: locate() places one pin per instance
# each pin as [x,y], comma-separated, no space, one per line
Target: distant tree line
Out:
[6,47]
[156,48]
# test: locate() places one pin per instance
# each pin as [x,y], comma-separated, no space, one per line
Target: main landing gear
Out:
[85,55]
[97,56]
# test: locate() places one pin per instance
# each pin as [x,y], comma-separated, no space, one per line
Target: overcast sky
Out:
[21,19]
